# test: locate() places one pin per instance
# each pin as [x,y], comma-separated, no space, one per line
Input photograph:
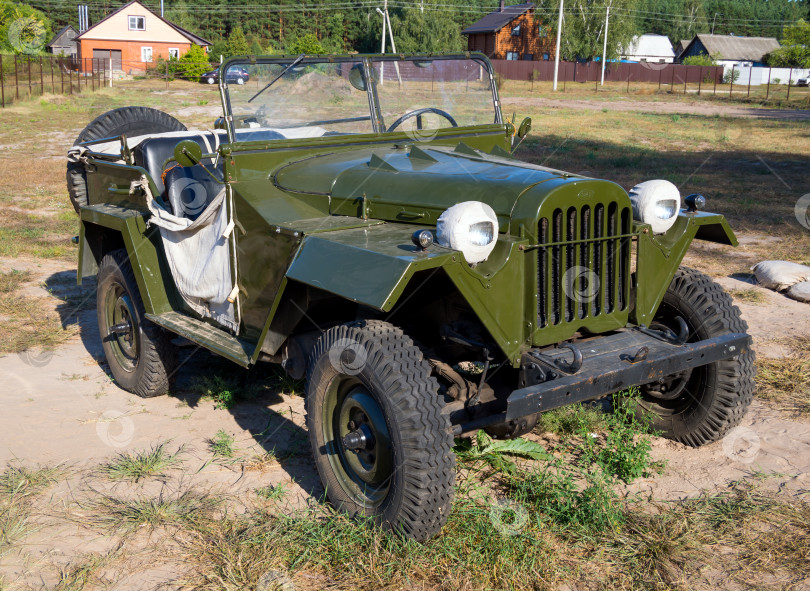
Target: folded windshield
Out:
[299,98]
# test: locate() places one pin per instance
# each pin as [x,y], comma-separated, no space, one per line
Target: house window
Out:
[512,55]
[146,54]
[516,31]
[528,56]
[174,52]
[137,23]
[542,31]
[545,57]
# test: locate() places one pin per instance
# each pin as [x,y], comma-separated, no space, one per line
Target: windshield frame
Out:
[375,109]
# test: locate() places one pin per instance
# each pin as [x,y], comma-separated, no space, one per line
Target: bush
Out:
[731,76]
[193,64]
[307,44]
[698,60]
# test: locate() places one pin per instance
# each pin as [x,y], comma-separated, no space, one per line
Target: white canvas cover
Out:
[198,253]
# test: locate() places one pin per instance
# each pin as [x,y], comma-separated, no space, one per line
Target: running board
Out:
[205,335]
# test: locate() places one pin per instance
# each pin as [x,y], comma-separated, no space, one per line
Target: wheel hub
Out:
[365,443]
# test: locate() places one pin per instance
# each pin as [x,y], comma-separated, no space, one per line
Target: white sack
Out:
[780,275]
[198,255]
[800,292]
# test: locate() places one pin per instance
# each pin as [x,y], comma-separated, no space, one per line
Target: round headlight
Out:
[471,227]
[656,203]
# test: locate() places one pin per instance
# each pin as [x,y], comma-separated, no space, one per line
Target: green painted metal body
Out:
[335,214]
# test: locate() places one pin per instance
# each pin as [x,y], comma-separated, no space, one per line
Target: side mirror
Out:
[357,77]
[187,153]
[525,127]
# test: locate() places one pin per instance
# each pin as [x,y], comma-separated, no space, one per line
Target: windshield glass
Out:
[308,98]
[433,94]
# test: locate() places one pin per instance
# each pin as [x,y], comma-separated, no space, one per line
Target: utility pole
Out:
[382,50]
[715,19]
[161,8]
[557,53]
[604,51]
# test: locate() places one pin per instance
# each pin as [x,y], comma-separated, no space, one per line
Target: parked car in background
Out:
[234,75]
[803,82]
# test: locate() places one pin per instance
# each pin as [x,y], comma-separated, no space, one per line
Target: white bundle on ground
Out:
[780,275]
[800,292]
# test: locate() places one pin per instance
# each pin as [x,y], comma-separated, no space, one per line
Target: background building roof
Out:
[495,21]
[729,47]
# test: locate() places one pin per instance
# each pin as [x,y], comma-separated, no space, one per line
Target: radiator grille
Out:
[583,263]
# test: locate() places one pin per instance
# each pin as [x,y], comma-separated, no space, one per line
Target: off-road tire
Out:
[129,121]
[386,364]
[154,357]
[717,395]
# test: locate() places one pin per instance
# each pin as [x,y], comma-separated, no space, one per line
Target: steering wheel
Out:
[418,114]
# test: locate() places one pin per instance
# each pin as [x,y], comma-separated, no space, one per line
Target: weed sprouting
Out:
[139,465]
[221,444]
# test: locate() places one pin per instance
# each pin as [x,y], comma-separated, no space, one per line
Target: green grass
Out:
[121,514]
[139,465]
[19,485]
[272,492]
[222,445]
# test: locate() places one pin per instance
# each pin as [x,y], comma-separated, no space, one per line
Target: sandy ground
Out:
[62,408]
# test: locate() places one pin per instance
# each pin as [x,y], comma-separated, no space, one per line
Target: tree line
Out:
[289,26]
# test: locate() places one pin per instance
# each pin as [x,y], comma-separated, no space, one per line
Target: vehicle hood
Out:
[416,183]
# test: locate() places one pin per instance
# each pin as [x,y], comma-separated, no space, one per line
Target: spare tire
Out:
[129,121]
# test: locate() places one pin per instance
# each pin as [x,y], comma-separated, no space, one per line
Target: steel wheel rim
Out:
[118,309]
[365,474]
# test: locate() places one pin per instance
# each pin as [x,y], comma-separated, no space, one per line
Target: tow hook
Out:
[559,364]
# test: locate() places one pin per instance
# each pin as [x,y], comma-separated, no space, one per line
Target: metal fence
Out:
[26,76]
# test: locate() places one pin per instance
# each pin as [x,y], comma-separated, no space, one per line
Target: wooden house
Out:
[511,33]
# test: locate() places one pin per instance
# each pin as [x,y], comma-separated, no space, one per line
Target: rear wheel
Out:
[128,121]
[701,405]
[139,353]
[380,441]
[210,80]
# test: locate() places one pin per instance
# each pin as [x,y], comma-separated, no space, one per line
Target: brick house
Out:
[134,37]
[511,33]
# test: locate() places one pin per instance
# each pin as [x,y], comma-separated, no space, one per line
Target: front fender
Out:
[660,256]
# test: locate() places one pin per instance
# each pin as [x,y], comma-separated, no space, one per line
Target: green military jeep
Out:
[361,221]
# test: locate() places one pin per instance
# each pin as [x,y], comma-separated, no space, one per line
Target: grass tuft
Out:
[126,515]
[786,381]
[142,464]
[221,444]
[749,296]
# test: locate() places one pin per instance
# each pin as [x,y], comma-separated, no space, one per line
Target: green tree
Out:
[584,25]
[23,29]
[429,29]
[795,50]
[237,43]
[307,44]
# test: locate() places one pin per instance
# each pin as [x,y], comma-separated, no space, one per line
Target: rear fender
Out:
[107,227]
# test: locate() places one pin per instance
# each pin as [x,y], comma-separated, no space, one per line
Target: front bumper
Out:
[611,364]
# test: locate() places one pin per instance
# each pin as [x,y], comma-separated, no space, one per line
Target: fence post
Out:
[53,82]
[714,92]
[700,79]
[2,83]
[731,88]
[790,75]
[16,79]
[768,89]
[111,69]
[672,81]
[628,78]
[41,78]
[70,78]
[660,75]
[167,75]
[750,71]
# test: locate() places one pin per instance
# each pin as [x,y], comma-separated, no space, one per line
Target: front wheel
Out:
[139,353]
[210,80]
[701,405]
[381,443]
